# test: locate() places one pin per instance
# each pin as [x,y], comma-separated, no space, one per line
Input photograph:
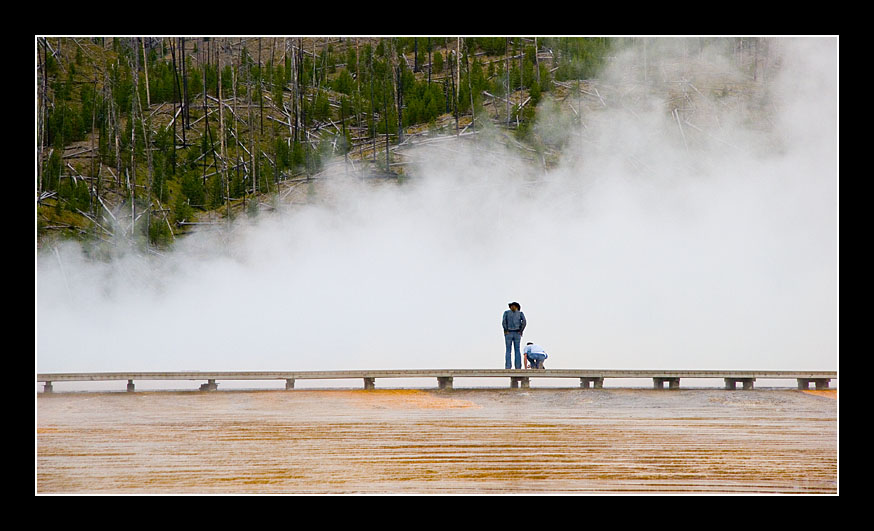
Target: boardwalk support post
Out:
[516,380]
[369,383]
[673,383]
[731,383]
[821,383]
[210,385]
[289,384]
[444,382]
[130,386]
[598,382]
[47,388]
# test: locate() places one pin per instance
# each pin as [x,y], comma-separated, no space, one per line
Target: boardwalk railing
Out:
[445,377]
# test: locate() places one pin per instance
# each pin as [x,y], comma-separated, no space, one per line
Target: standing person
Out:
[535,354]
[514,324]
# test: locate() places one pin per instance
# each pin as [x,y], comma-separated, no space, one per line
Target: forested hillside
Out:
[142,137]
[139,139]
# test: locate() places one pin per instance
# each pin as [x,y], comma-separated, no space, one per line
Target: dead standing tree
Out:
[457,78]
[470,91]
[132,170]
[148,149]
[453,96]
[507,73]
[186,119]
[41,117]
[260,88]
[372,106]
[244,61]
[385,119]
[207,130]
[238,158]
[177,97]
[399,83]
[224,166]
[95,173]
[146,72]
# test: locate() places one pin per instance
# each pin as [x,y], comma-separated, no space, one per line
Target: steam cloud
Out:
[640,250]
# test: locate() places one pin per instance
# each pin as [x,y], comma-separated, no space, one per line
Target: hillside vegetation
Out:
[139,139]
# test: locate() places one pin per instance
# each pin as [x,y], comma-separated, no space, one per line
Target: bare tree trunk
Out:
[372,109]
[358,91]
[177,93]
[306,140]
[147,140]
[294,118]
[206,131]
[115,136]
[132,171]
[470,90]
[175,97]
[146,68]
[224,167]
[104,128]
[536,61]
[94,180]
[260,88]
[186,122]
[345,147]
[507,51]
[41,117]
[299,111]
[385,110]
[399,94]
[237,157]
[454,95]
[253,168]
[147,147]
[457,66]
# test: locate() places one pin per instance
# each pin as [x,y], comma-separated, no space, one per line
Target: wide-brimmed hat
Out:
[514,303]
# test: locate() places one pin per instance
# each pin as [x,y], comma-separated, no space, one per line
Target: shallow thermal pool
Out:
[429,441]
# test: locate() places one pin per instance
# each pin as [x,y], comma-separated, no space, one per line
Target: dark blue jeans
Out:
[536,360]
[513,338]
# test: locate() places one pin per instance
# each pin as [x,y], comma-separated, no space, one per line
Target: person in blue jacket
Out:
[513,323]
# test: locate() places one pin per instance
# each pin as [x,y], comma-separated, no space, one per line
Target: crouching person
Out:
[534,355]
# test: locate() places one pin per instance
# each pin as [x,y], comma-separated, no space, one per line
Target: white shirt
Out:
[534,349]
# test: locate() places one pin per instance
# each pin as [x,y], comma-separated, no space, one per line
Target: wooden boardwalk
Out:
[445,377]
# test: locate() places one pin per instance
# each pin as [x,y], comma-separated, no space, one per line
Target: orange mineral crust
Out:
[423,441]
